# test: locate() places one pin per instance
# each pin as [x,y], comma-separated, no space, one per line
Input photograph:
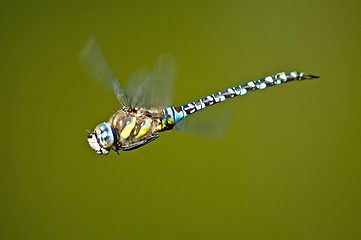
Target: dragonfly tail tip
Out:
[309,76]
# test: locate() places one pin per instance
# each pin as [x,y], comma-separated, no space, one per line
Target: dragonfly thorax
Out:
[135,127]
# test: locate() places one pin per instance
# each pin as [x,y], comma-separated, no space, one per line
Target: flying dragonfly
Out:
[148,112]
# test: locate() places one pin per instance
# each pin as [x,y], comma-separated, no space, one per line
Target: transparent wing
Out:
[211,123]
[138,85]
[94,62]
[154,88]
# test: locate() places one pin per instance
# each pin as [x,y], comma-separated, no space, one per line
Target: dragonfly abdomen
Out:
[176,114]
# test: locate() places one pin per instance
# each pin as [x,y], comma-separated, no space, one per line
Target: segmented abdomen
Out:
[176,114]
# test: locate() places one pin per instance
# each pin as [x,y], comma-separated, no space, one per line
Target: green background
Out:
[288,167]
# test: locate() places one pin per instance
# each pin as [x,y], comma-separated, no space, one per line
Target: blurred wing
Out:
[94,62]
[154,88]
[139,84]
[211,123]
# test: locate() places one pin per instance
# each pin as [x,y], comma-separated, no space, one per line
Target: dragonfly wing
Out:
[212,123]
[164,78]
[94,62]
[138,87]
[154,88]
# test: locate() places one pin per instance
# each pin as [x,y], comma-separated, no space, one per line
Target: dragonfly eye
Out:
[93,142]
[104,135]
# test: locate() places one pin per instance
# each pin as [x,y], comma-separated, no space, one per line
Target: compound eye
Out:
[104,135]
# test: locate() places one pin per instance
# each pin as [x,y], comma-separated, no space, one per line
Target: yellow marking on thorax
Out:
[144,128]
[128,128]
[161,125]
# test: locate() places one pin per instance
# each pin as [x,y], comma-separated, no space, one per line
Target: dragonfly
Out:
[146,102]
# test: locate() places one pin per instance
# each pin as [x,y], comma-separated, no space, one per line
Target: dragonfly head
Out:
[102,138]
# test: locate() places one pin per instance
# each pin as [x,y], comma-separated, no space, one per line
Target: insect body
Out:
[134,126]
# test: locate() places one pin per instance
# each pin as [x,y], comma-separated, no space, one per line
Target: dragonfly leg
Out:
[140,143]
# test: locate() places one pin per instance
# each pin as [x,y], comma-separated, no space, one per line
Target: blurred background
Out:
[287,168]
